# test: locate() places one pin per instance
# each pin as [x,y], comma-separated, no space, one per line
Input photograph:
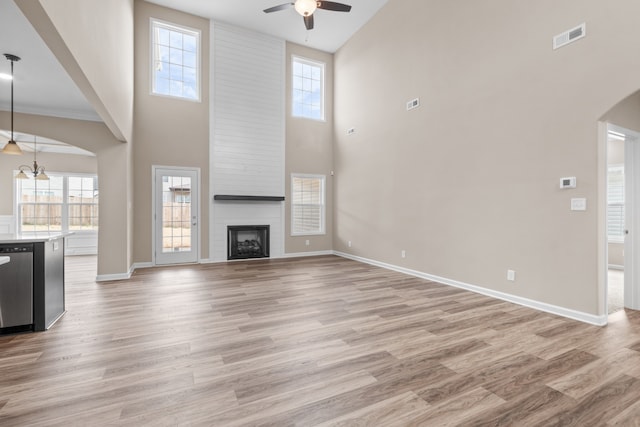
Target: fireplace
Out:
[247,241]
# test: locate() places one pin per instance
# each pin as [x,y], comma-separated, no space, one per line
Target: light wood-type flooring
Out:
[321,341]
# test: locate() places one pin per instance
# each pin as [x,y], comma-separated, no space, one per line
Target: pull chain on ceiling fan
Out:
[307,7]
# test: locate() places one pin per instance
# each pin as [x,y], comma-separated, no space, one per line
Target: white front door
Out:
[176,215]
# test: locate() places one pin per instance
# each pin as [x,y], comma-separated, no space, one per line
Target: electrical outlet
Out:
[403,253]
[511,275]
[349,243]
[351,131]
[306,242]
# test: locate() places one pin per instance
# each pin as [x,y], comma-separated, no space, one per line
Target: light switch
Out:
[579,204]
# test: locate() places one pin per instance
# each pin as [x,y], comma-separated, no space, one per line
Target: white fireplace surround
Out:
[247,213]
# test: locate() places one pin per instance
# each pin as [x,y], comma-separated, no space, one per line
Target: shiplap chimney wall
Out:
[247,132]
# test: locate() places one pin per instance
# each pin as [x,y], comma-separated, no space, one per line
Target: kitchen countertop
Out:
[4,259]
[32,237]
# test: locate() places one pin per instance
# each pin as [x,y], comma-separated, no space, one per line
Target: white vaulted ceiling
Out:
[42,86]
[331,29]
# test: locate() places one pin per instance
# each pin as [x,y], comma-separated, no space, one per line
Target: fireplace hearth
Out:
[247,241]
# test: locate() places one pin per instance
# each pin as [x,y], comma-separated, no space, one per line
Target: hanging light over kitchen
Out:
[12,147]
[36,170]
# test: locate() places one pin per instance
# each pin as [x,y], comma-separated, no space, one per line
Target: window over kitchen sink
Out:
[65,202]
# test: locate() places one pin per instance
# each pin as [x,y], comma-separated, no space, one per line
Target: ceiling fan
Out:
[307,7]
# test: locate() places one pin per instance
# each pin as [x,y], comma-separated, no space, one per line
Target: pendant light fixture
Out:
[37,171]
[12,147]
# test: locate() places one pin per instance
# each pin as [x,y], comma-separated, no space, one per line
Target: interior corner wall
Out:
[467,183]
[309,150]
[93,41]
[112,160]
[114,241]
[167,131]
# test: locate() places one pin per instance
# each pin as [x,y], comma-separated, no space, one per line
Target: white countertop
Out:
[31,237]
[4,259]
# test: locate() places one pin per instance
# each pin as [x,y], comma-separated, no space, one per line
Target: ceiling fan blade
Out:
[308,22]
[277,8]
[337,7]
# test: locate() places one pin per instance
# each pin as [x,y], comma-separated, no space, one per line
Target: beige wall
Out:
[467,184]
[309,149]
[93,41]
[167,132]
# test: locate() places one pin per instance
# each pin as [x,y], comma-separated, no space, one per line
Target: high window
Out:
[615,203]
[307,204]
[63,203]
[308,89]
[175,60]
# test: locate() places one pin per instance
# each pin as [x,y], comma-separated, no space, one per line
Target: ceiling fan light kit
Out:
[306,8]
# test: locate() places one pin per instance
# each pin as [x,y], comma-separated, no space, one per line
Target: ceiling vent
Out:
[570,36]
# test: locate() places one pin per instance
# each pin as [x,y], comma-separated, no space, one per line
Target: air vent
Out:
[570,36]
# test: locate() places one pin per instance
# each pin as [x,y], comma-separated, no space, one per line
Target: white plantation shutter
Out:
[615,203]
[307,204]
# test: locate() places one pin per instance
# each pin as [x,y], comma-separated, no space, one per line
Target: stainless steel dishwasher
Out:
[16,288]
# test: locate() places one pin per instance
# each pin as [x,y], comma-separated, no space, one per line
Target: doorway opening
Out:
[623,219]
[615,218]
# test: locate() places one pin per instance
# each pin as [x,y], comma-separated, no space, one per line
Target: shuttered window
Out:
[307,204]
[615,203]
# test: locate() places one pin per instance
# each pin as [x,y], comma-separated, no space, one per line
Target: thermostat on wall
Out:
[568,182]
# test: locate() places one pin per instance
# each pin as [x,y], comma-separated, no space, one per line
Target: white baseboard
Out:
[548,308]
[80,252]
[112,277]
[305,254]
[137,265]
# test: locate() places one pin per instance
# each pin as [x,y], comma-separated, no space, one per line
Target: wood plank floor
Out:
[320,341]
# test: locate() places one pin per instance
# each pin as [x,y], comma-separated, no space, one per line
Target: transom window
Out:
[175,60]
[63,203]
[308,89]
[307,204]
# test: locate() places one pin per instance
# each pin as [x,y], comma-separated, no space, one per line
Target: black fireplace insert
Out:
[247,241]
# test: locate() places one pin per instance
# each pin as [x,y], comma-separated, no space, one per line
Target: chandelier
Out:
[36,171]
